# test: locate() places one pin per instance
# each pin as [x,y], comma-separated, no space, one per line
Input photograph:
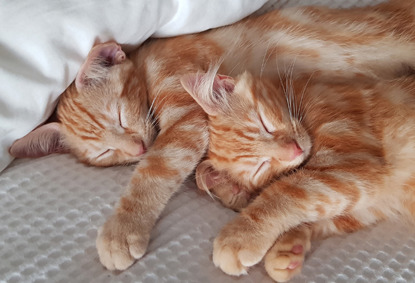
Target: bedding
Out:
[51,207]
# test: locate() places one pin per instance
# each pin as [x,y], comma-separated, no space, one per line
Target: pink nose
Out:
[141,149]
[137,149]
[296,150]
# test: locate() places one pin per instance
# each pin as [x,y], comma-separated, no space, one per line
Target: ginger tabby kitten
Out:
[352,145]
[124,109]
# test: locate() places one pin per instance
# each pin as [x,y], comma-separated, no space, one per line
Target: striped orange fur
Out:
[354,166]
[123,109]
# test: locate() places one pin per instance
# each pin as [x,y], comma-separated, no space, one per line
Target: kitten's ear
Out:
[210,94]
[206,177]
[100,58]
[42,141]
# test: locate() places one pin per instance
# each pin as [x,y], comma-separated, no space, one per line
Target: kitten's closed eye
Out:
[262,167]
[121,120]
[104,154]
[266,124]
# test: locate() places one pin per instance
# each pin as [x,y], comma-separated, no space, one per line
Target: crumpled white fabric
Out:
[43,43]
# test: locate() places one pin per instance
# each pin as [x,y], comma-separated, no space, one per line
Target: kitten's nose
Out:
[136,148]
[296,150]
[289,151]
[141,149]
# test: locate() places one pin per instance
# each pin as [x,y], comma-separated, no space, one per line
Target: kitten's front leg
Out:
[304,197]
[245,240]
[173,156]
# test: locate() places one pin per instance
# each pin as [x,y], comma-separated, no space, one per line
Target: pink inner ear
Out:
[224,82]
[112,53]
[211,98]
[107,54]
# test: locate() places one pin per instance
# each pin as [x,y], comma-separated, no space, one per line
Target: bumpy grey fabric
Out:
[50,209]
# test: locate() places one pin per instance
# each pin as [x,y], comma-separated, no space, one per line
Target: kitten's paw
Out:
[120,242]
[282,266]
[234,250]
[285,259]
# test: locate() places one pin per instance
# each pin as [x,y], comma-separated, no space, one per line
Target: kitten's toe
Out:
[119,244]
[112,253]
[234,254]
[120,255]
[137,245]
[250,257]
[285,259]
[226,259]
[283,266]
[104,251]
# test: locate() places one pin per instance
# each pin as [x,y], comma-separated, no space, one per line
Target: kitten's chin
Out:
[286,166]
[297,161]
[304,142]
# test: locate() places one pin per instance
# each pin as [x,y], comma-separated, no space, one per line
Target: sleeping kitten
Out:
[352,146]
[127,109]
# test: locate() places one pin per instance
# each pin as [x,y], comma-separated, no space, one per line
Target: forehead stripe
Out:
[93,138]
[243,135]
[69,128]
[82,109]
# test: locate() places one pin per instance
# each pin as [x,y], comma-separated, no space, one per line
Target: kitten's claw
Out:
[285,259]
[120,243]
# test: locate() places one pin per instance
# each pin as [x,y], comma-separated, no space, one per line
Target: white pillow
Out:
[43,43]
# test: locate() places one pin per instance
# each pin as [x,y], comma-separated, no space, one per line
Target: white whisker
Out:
[265,59]
[300,117]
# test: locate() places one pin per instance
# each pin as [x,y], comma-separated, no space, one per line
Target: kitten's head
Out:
[253,136]
[102,115]
[218,185]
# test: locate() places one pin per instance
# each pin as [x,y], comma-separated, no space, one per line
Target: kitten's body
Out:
[358,155]
[104,117]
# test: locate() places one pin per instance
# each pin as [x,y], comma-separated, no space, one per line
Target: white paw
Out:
[120,242]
